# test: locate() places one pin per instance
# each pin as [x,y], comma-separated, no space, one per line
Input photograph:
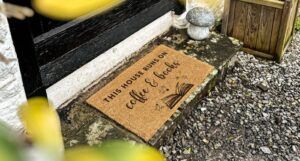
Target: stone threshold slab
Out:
[82,124]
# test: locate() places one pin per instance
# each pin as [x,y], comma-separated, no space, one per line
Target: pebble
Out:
[205,141]
[263,87]
[294,148]
[187,151]
[265,150]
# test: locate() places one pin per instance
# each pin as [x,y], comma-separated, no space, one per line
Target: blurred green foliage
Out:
[298,24]
[10,147]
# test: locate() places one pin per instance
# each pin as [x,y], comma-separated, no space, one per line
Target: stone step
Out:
[83,124]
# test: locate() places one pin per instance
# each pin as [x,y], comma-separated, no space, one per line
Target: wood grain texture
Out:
[240,20]
[225,19]
[269,3]
[292,15]
[231,17]
[23,41]
[252,25]
[258,53]
[275,31]
[265,29]
[297,11]
[64,39]
[283,29]
[57,64]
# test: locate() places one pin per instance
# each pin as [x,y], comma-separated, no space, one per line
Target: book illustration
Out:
[180,91]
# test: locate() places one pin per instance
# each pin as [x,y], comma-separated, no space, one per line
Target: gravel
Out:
[254,114]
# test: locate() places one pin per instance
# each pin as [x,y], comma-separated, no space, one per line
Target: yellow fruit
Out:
[42,125]
[71,9]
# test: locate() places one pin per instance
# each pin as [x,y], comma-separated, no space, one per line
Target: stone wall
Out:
[11,87]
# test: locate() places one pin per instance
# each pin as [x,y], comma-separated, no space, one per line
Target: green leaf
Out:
[10,147]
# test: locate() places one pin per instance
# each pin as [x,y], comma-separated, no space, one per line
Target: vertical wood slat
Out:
[275,31]
[291,20]
[283,29]
[225,18]
[231,17]
[264,31]
[297,10]
[22,36]
[252,25]
[240,20]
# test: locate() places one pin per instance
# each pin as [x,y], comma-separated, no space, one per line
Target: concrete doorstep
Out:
[83,124]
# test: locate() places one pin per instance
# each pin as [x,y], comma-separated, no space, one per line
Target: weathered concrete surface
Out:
[83,124]
[12,93]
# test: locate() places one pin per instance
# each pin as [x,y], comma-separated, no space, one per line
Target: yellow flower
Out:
[71,9]
[42,125]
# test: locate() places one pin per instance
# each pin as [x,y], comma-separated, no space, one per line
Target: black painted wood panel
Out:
[104,37]
[55,43]
[23,41]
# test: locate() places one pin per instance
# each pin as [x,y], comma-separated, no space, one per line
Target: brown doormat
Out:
[145,96]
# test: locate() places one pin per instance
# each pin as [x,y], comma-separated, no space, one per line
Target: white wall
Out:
[11,87]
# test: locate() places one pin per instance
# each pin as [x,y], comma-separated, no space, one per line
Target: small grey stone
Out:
[187,151]
[217,145]
[265,115]
[264,87]
[251,145]
[200,16]
[294,148]
[203,109]
[265,150]
[174,152]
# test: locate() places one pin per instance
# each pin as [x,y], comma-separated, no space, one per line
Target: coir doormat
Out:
[144,96]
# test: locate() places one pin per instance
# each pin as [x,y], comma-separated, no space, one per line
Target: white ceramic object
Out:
[198,33]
